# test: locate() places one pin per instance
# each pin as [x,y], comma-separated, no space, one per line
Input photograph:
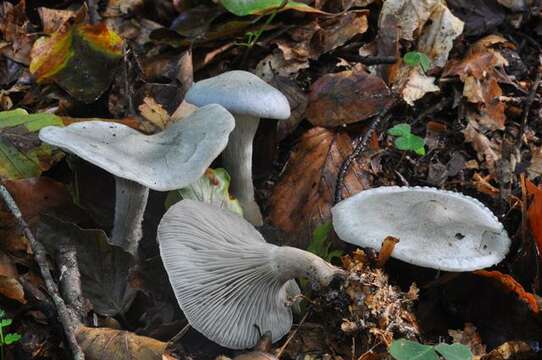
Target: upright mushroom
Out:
[437,229]
[248,98]
[227,279]
[169,160]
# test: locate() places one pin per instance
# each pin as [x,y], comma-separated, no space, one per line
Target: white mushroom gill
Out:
[227,279]
[437,229]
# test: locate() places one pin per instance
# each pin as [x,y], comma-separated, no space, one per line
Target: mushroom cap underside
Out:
[241,93]
[437,229]
[222,275]
[171,159]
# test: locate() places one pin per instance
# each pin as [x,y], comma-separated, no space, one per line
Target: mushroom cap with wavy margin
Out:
[171,159]
[437,229]
[224,275]
[241,93]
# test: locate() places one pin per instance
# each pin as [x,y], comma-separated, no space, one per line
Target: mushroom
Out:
[248,98]
[169,160]
[228,281]
[438,229]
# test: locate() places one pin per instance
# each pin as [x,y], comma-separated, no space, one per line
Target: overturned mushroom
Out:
[248,98]
[165,161]
[437,229]
[228,281]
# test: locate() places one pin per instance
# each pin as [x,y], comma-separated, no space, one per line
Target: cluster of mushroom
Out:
[229,282]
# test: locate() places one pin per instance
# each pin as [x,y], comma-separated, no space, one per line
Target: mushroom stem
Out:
[237,158]
[130,203]
[295,263]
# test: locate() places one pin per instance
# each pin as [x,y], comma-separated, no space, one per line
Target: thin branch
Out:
[360,147]
[285,345]
[67,318]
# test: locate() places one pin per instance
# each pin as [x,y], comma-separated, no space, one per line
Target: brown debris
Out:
[346,97]
[303,197]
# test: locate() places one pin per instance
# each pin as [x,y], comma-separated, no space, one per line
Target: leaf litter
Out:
[458,80]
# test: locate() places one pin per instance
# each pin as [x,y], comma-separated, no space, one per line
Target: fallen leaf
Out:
[512,285]
[386,250]
[483,185]
[534,212]
[34,195]
[480,17]
[302,199]
[487,151]
[478,71]
[22,155]
[437,38]
[412,84]
[81,59]
[469,336]
[321,36]
[535,167]
[10,286]
[410,14]
[511,350]
[53,19]
[101,343]
[154,112]
[104,268]
[16,31]
[254,7]
[346,97]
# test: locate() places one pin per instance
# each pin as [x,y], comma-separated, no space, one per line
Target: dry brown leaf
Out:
[469,337]
[410,14]
[534,212]
[14,28]
[10,286]
[487,150]
[482,184]
[154,112]
[52,19]
[321,36]
[511,350]
[535,167]
[303,197]
[478,72]
[412,84]
[510,284]
[346,97]
[105,343]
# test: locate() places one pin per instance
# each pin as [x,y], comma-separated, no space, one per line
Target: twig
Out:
[70,278]
[360,147]
[527,108]
[67,318]
[285,345]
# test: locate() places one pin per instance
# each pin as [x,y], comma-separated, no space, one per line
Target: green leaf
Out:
[319,245]
[454,351]
[5,323]
[11,338]
[2,313]
[415,58]
[22,155]
[253,7]
[403,349]
[212,187]
[410,142]
[402,129]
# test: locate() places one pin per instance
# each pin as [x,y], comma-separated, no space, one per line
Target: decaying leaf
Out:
[154,112]
[304,196]
[81,59]
[105,343]
[346,97]
[321,36]
[478,71]
[469,336]
[534,212]
[16,31]
[512,285]
[412,84]
[104,268]
[486,149]
[10,286]
[411,14]
[53,19]
[22,155]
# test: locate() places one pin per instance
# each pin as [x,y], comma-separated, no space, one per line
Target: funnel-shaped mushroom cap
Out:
[437,229]
[241,93]
[226,278]
[169,160]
